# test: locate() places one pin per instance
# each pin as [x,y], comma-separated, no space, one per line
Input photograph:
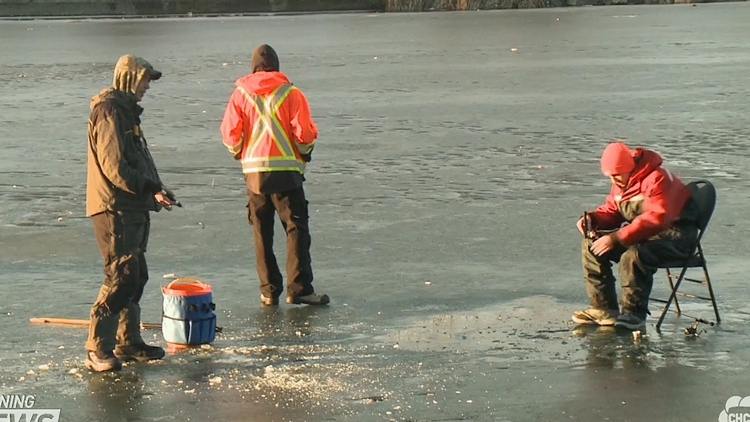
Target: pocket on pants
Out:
[298,205]
[131,233]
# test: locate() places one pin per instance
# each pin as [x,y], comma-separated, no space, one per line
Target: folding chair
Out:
[704,194]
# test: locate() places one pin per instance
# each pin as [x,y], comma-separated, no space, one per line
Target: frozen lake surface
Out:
[444,190]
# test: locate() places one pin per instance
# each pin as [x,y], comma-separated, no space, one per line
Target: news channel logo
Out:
[737,409]
[20,408]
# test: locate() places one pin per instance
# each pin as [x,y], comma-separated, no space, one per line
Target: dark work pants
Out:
[116,315]
[637,265]
[292,209]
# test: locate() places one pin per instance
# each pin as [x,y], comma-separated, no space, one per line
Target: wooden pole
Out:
[84,323]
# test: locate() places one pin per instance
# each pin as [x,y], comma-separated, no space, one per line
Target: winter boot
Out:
[311,299]
[595,316]
[140,352]
[101,361]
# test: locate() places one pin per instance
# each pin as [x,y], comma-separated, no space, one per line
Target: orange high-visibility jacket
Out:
[267,124]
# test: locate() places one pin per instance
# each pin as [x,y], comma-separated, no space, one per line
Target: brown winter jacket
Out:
[122,175]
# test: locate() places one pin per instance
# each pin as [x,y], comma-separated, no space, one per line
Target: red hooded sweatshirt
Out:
[652,201]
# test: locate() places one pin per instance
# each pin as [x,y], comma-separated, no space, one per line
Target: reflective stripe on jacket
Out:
[267,124]
[268,146]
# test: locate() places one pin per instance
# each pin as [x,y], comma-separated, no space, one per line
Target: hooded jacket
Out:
[121,174]
[260,148]
[652,202]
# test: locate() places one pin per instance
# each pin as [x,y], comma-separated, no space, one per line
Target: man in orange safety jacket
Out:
[268,127]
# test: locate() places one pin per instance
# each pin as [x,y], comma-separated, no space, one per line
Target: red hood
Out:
[262,82]
[646,161]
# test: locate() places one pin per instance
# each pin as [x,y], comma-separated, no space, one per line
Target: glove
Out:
[307,157]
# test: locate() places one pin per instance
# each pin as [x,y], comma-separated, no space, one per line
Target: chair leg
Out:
[671,285]
[711,293]
[672,297]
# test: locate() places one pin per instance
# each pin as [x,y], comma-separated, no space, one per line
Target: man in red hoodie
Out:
[267,126]
[648,218]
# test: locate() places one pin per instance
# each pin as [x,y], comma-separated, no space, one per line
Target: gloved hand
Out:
[307,157]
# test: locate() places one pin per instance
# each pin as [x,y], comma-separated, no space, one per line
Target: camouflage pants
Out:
[637,265]
[116,315]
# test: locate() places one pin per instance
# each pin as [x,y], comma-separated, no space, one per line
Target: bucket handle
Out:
[188,280]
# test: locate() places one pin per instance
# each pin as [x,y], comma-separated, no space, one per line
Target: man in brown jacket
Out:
[123,185]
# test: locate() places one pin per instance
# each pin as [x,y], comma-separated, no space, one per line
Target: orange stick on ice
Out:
[82,322]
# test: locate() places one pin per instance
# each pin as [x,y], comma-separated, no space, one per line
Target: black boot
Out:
[140,352]
[311,299]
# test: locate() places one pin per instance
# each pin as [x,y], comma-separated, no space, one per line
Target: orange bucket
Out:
[187,287]
[188,317]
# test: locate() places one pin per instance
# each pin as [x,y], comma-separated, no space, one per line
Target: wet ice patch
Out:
[538,329]
[524,329]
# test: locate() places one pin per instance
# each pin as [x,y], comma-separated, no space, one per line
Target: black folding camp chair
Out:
[704,194]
